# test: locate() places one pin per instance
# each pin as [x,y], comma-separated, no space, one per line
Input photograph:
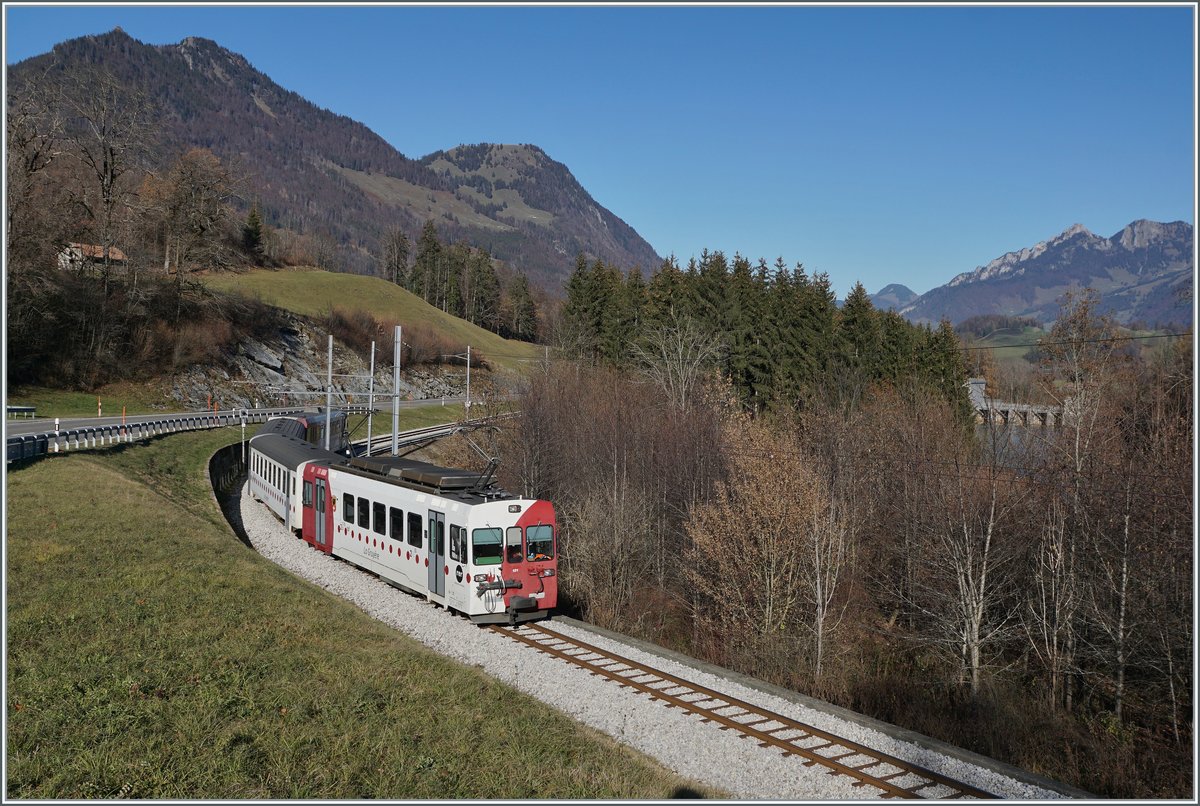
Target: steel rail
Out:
[717,701]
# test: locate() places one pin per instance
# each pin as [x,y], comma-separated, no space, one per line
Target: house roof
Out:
[95,252]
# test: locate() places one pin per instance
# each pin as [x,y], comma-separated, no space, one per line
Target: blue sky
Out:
[881,144]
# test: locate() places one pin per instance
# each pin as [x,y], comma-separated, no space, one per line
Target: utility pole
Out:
[396,391]
[329,395]
[468,381]
[371,400]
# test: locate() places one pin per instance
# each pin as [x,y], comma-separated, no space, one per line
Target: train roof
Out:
[468,485]
[284,426]
[290,451]
[320,416]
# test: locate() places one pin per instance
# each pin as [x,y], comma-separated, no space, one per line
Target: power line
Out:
[1077,341]
[485,354]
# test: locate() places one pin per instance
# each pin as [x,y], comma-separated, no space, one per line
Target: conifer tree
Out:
[522,309]
[749,364]
[424,275]
[482,290]
[609,316]
[712,282]
[636,303]
[786,325]
[897,347]
[947,371]
[252,234]
[858,334]
[577,325]
[665,292]
[819,311]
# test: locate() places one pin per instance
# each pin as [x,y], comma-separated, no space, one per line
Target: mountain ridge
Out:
[1143,273]
[328,176]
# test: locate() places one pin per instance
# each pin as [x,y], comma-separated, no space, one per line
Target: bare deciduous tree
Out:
[676,357]
[393,259]
[33,141]
[191,204]
[108,126]
[769,552]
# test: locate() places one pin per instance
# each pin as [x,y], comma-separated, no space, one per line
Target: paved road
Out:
[15,427]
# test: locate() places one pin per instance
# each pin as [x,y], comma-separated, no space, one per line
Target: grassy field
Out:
[309,291]
[152,655]
[1011,344]
[419,417]
[137,398]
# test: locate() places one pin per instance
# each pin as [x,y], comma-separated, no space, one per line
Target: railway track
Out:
[893,777]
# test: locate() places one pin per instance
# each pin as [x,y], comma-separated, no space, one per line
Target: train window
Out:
[397,522]
[308,493]
[540,540]
[380,520]
[414,529]
[348,508]
[454,554]
[487,546]
[513,544]
[364,513]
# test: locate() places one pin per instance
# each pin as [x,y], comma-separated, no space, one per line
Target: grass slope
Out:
[1011,344]
[312,292]
[152,655]
[136,398]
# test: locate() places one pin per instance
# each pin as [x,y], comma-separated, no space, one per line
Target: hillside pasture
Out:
[313,293]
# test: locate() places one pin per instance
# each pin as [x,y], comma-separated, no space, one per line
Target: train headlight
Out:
[549,572]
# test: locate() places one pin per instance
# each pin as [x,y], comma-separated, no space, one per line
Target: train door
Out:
[437,552]
[319,526]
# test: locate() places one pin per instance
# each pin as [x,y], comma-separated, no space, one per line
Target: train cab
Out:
[515,567]
[436,532]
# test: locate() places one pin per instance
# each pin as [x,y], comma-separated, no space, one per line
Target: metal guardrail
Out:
[31,446]
[20,411]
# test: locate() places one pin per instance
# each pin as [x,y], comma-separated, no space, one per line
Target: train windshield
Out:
[486,546]
[513,542]
[539,542]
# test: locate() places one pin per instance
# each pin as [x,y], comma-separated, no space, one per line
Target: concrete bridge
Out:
[988,410]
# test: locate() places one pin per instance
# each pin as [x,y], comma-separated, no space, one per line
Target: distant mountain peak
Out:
[1141,272]
[1012,262]
[1142,233]
[1070,232]
[893,297]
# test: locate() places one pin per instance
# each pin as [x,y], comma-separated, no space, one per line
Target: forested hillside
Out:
[329,188]
[775,333]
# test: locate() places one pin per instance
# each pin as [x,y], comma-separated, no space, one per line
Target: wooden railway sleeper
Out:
[888,790]
[904,765]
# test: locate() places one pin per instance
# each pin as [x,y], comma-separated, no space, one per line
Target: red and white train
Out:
[444,534]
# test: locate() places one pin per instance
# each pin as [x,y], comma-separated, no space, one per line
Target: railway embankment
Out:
[687,742]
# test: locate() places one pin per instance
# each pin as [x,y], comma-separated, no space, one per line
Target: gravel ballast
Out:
[681,742]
